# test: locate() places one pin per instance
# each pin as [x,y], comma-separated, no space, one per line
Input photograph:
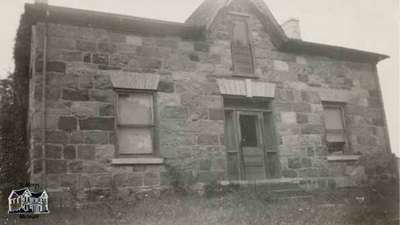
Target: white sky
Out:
[371,25]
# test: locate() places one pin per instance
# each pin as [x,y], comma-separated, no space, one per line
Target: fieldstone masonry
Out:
[80,109]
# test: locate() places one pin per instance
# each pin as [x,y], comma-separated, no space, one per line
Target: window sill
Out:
[137,161]
[245,76]
[342,158]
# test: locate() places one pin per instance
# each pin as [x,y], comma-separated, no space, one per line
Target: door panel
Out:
[252,146]
[250,143]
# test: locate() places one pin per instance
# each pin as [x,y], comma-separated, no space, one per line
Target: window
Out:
[136,124]
[335,128]
[242,53]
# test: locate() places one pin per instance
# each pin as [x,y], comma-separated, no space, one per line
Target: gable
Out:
[207,12]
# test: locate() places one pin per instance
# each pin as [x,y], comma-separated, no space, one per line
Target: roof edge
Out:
[111,21]
[337,52]
[145,26]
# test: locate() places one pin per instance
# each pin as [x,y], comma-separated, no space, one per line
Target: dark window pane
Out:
[248,130]
[336,147]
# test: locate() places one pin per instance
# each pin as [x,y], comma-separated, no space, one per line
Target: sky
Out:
[371,25]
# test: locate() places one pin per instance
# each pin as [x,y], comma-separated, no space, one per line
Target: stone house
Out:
[230,96]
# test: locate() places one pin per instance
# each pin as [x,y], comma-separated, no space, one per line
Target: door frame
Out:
[260,138]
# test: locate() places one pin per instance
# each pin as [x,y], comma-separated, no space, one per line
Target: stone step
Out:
[280,186]
[290,194]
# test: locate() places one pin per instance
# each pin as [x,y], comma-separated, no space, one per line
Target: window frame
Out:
[342,107]
[242,18]
[154,127]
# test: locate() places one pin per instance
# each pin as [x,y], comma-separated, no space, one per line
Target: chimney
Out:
[43,2]
[292,28]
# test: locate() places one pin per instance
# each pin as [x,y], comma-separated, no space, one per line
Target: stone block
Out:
[306,162]
[301,107]
[301,60]
[75,166]
[194,57]
[281,65]
[102,82]
[128,180]
[312,129]
[102,95]
[75,95]
[54,66]
[205,164]
[152,179]
[67,123]
[301,118]
[186,46]
[37,152]
[106,110]
[97,123]
[288,117]
[56,166]
[289,173]
[294,163]
[302,78]
[201,46]
[37,166]
[69,152]
[106,47]
[86,152]
[310,97]
[206,139]
[86,46]
[89,137]
[84,109]
[102,59]
[53,151]
[168,43]
[104,152]
[207,176]
[166,99]
[95,167]
[216,114]
[100,180]
[56,137]
[166,86]
[173,112]
[309,172]
[69,180]
[134,40]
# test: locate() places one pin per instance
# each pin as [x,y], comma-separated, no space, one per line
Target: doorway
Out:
[251,144]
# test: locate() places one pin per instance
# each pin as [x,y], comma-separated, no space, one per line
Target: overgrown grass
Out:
[237,208]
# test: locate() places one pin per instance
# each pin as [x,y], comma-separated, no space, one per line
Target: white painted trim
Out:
[343,157]
[137,161]
[246,87]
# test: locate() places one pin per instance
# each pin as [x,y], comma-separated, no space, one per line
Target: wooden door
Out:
[251,145]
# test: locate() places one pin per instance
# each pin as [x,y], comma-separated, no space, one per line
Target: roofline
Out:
[337,52]
[145,26]
[111,21]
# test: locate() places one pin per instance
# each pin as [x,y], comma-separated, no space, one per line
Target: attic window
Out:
[241,47]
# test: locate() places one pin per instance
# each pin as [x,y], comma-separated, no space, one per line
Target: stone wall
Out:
[303,82]
[80,109]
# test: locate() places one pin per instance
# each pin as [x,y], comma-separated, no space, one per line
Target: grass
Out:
[243,207]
